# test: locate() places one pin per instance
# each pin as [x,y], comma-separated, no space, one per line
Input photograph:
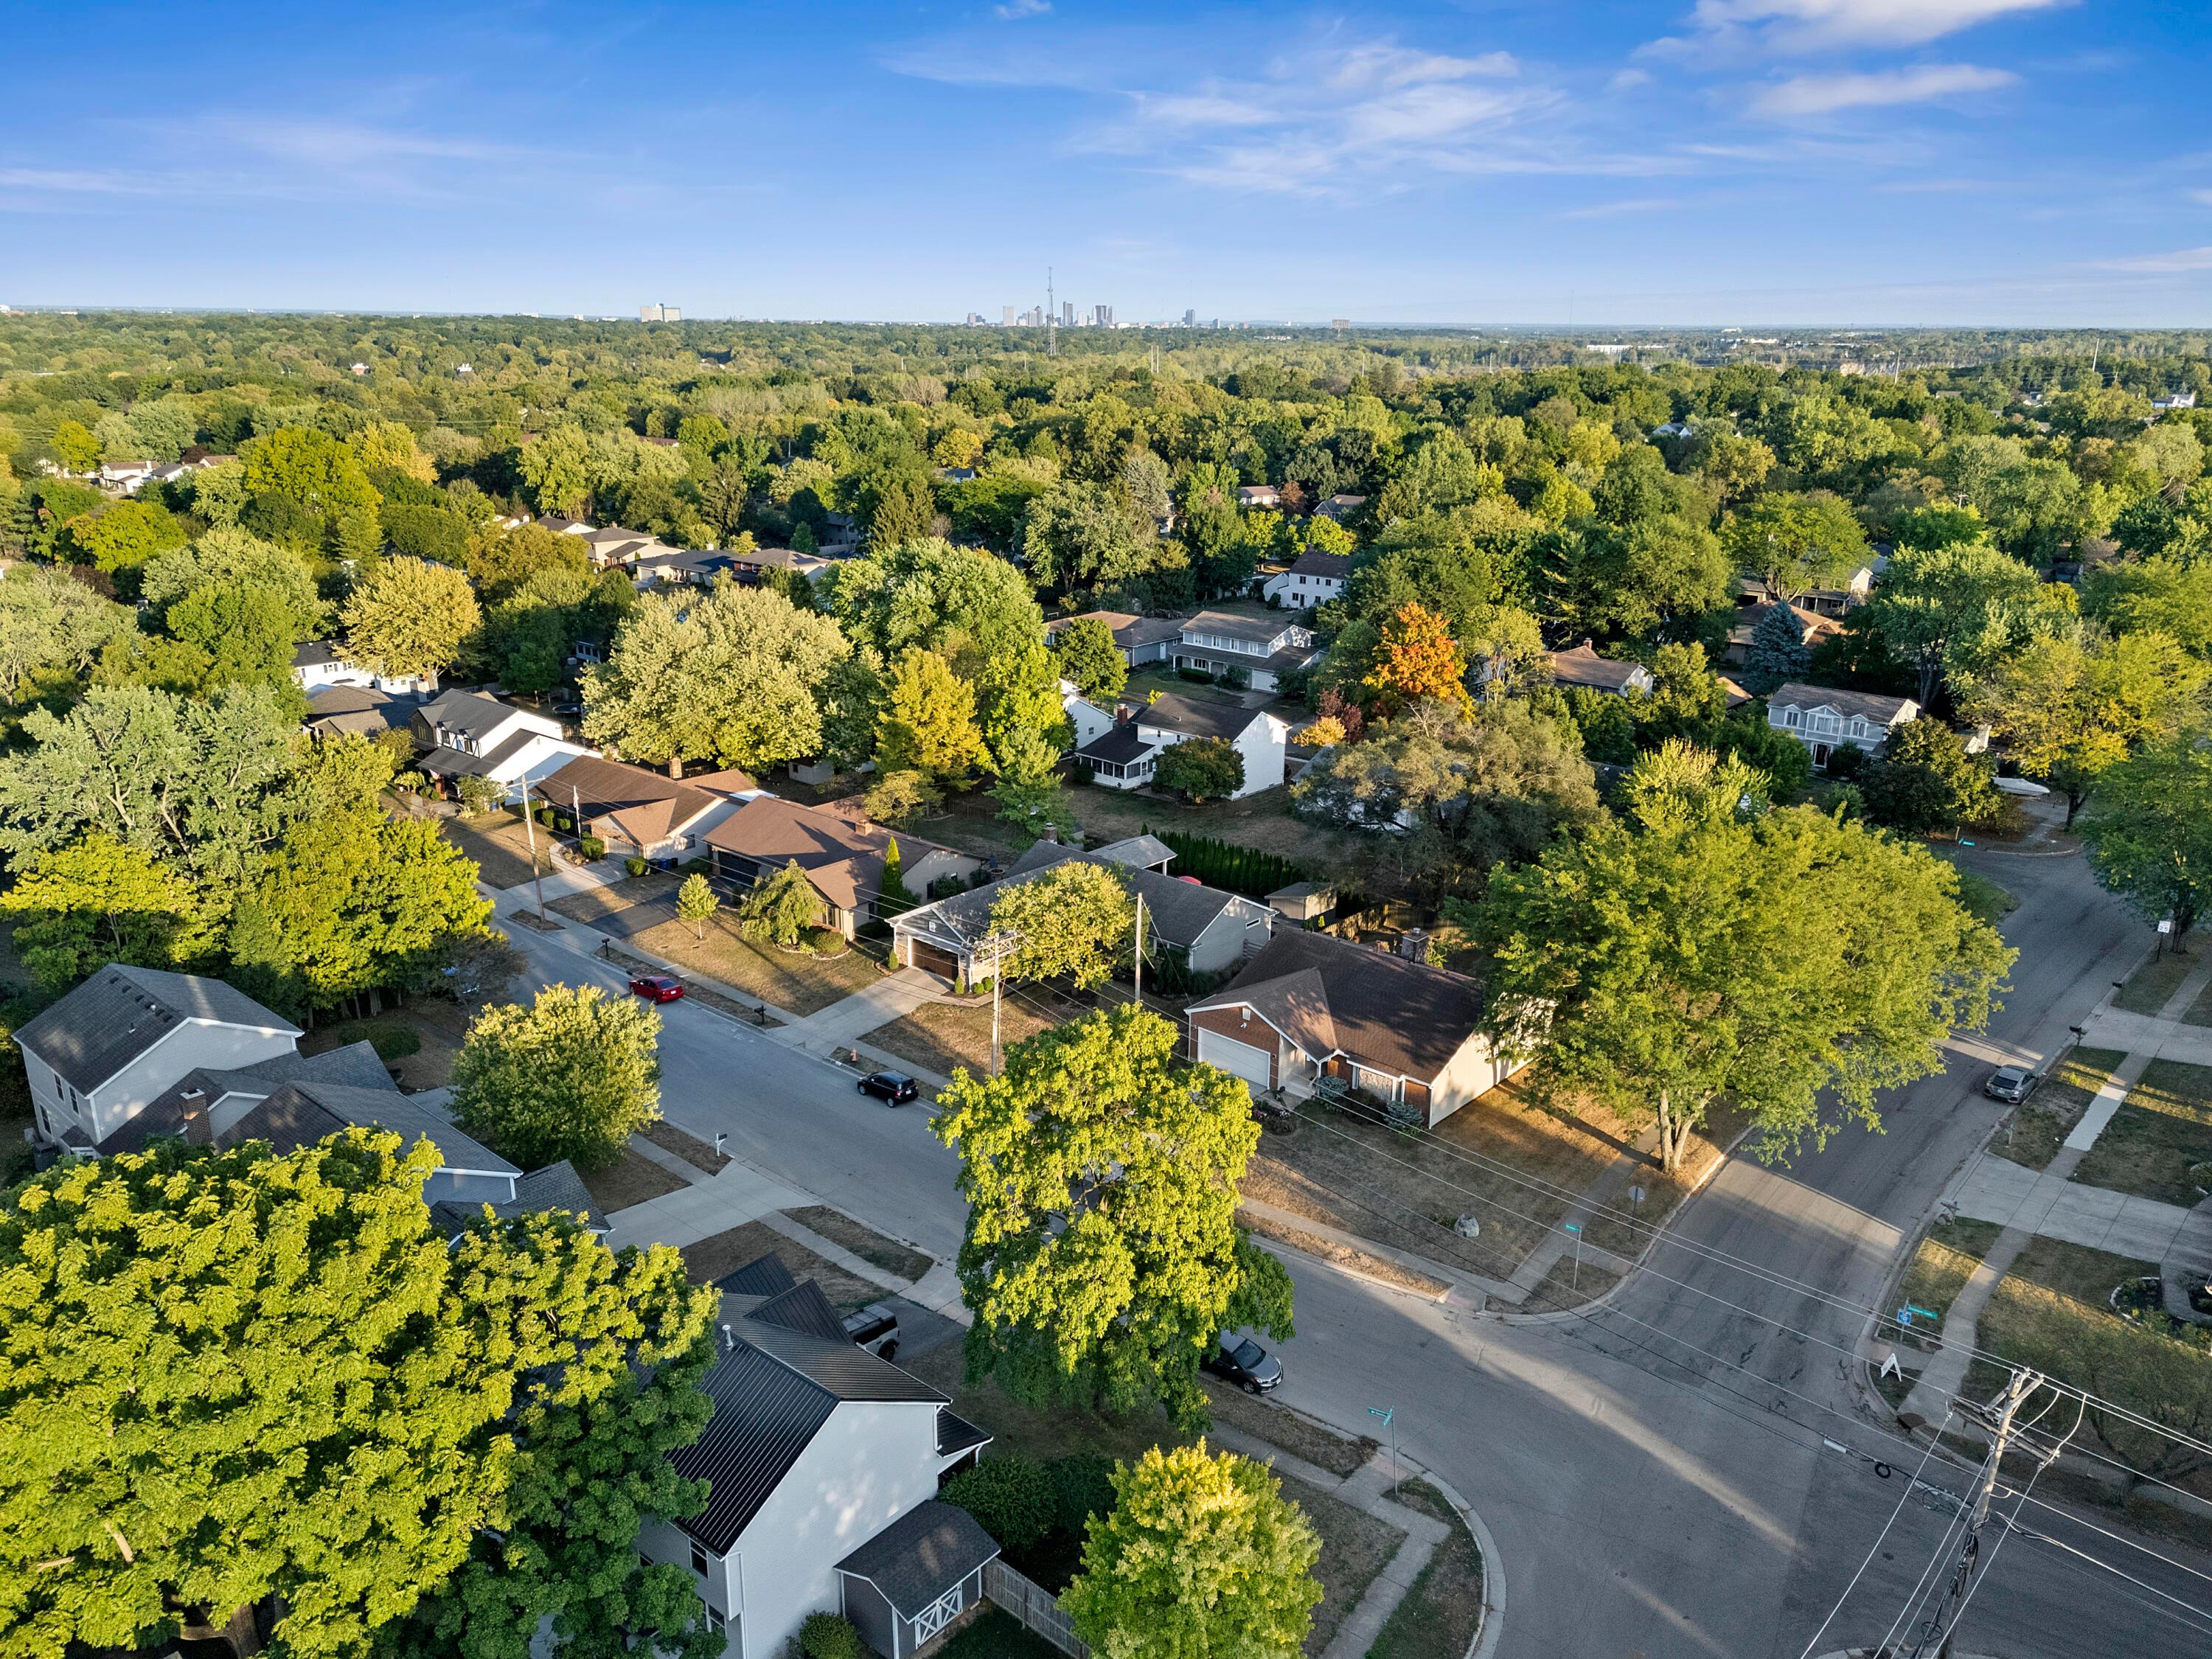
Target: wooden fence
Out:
[1036,1609]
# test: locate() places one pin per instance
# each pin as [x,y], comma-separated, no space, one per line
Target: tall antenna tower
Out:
[1051,317]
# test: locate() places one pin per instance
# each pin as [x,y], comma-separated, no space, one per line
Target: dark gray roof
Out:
[763,1276]
[1882,710]
[456,763]
[301,1114]
[355,1065]
[556,1186]
[313,653]
[471,712]
[956,1433]
[1335,565]
[120,1012]
[1173,713]
[1121,745]
[1176,911]
[1236,625]
[765,1416]
[773,1388]
[803,1308]
[345,700]
[922,1554]
[1328,995]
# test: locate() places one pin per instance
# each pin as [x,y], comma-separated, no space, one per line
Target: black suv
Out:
[893,1088]
[1241,1360]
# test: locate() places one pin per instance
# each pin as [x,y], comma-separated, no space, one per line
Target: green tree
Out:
[1017,698]
[247,632]
[353,902]
[1457,794]
[1795,542]
[2160,595]
[2067,707]
[780,907]
[928,722]
[148,1473]
[1689,951]
[1778,653]
[960,602]
[1201,770]
[500,560]
[1102,1253]
[1073,920]
[892,888]
[900,509]
[409,616]
[1201,1555]
[193,783]
[740,674]
[52,629]
[121,538]
[320,483]
[574,1075]
[1010,1497]
[1090,658]
[695,903]
[223,556]
[1926,783]
[97,900]
[2149,829]
[75,447]
[1955,611]
[1084,535]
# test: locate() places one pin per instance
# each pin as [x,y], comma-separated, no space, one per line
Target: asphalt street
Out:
[1655,1475]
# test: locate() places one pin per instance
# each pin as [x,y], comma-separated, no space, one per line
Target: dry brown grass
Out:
[1441,1612]
[500,845]
[940,1036]
[438,1026]
[725,1251]
[900,1261]
[1355,1547]
[1328,1249]
[633,1180]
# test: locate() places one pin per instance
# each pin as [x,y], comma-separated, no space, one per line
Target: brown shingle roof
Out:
[1330,995]
[647,806]
[842,859]
[1582,665]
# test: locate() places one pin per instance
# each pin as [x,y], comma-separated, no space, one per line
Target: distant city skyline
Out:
[1661,162]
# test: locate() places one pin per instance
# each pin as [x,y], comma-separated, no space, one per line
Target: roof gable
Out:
[1331,996]
[121,1013]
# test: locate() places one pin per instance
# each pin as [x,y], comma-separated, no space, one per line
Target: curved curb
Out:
[1490,1627]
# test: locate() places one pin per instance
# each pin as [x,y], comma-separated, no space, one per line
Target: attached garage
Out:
[931,960]
[1255,1066]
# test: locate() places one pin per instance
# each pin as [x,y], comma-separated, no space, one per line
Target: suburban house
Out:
[636,811]
[1210,930]
[1259,496]
[1581,665]
[359,711]
[843,857]
[1122,748]
[317,663]
[1141,639]
[468,734]
[1812,628]
[823,1464]
[1310,579]
[698,568]
[1341,508]
[136,1054]
[2173,400]
[1262,649]
[1825,719]
[128,476]
[1311,1006]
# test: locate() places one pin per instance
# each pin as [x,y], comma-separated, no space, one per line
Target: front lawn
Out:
[862,1241]
[1355,1547]
[500,845]
[1444,1609]
[2155,1140]
[940,1036]
[422,1037]
[1947,1258]
[2040,1124]
[633,1180]
[2150,985]
[725,1251]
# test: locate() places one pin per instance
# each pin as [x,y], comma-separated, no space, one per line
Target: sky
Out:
[1989,163]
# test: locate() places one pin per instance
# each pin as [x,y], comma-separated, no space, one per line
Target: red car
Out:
[659,986]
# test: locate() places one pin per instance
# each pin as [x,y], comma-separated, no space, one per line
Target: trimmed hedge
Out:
[1245,870]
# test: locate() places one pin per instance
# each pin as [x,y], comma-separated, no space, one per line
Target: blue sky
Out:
[1992,162]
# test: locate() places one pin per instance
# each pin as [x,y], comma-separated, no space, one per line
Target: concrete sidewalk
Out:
[2049,1203]
[842,1023]
[740,1193]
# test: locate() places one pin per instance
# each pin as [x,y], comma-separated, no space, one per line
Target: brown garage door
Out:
[930,960]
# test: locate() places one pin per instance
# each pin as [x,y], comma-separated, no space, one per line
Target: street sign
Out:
[1925,1313]
[1573,1228]
[1386,1412]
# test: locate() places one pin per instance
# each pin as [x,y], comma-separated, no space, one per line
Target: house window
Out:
[698,1558]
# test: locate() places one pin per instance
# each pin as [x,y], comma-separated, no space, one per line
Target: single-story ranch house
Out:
[841,856]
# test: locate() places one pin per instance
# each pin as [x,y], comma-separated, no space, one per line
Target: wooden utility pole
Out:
[529,830]
[1136,962]
[2024,1382]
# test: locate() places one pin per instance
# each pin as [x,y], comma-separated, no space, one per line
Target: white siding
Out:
[1262,745]
[1471,1071]
[1090,721]
[194,1044]
[868,1465]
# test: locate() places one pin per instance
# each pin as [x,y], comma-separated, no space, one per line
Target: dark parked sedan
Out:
[657,986]
[1245,1363]
[893,1088]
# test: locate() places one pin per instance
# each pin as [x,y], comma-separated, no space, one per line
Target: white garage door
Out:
[1237,1059]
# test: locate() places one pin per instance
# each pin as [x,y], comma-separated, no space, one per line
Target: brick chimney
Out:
[197,1131]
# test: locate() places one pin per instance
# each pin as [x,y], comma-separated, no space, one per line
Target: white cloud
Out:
[1393,65]
[1825,94]
[1014,10]
[2204,197]
[2180,259]
[1620,210]
[1808,25]
[1628,80]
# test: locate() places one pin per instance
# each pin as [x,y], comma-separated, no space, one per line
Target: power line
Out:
[1874,1548]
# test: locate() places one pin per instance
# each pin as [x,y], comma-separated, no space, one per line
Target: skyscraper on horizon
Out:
[1190,318]
[1067,314]
[1010,317]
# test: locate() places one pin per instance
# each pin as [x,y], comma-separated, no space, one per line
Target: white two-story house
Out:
[1825,719]
[1122,748]
[823,1463]
[317,664]
[1261,648]
[1310,579]
[466,734]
